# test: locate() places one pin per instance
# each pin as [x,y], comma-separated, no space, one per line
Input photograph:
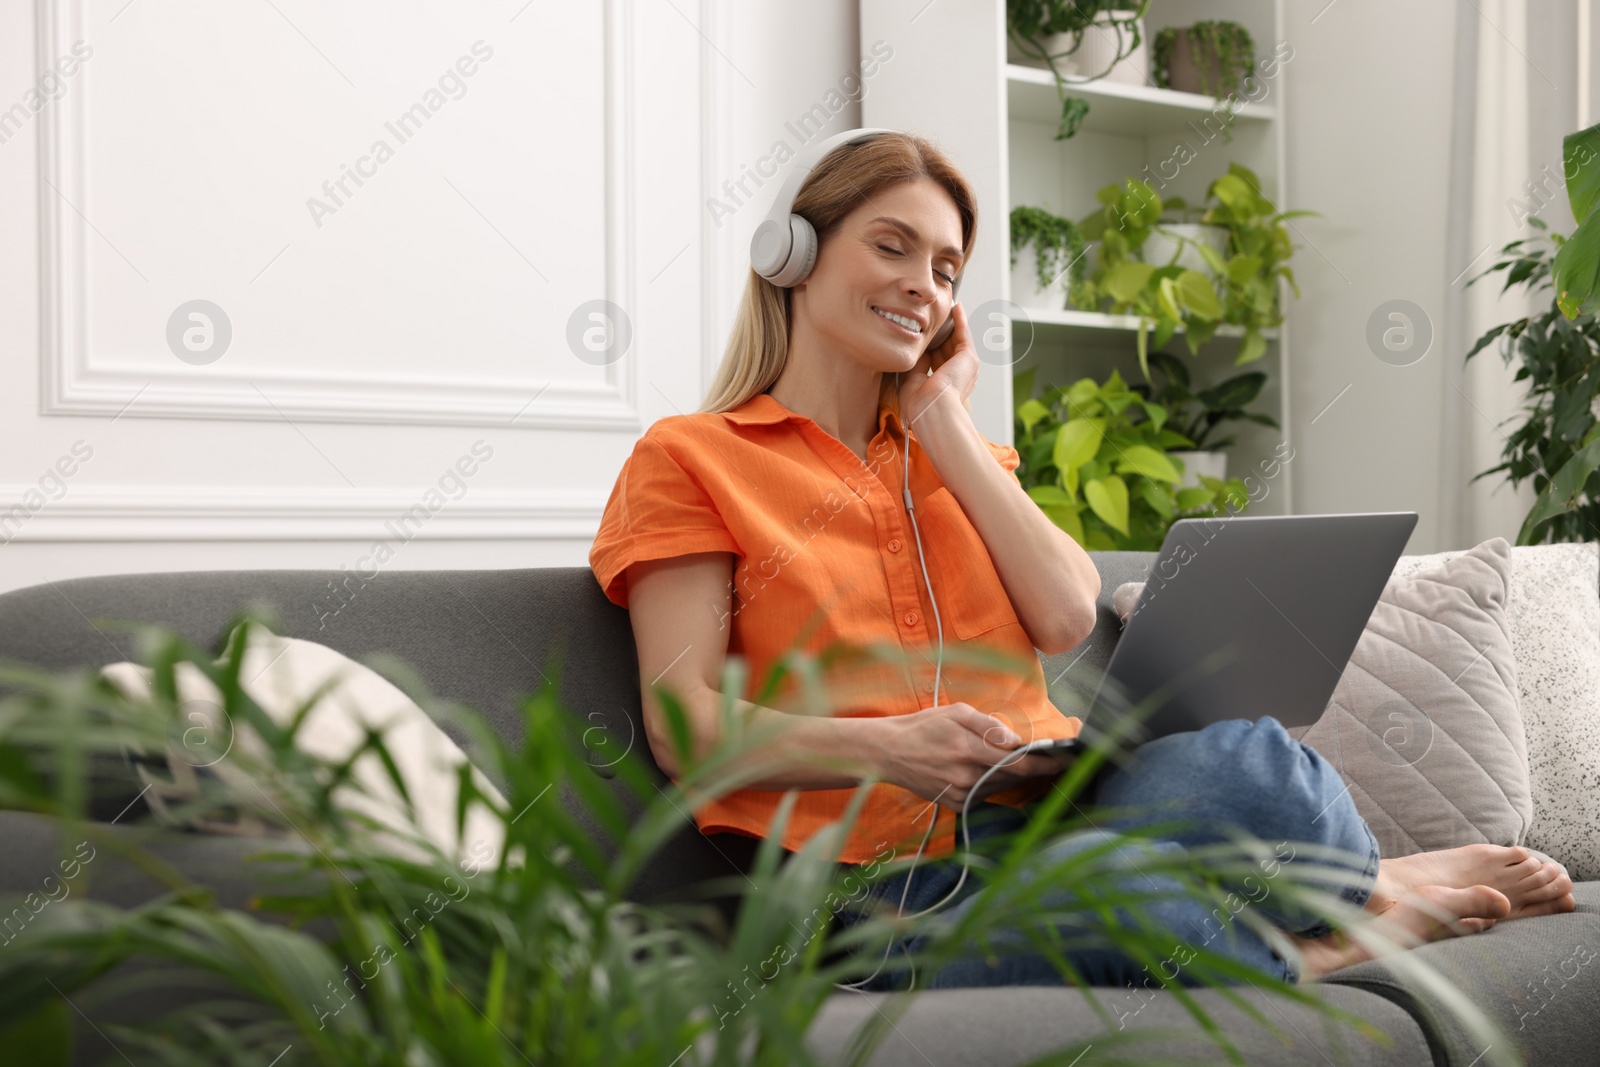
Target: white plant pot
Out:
[1211,464]
[1163,242]
[1054,43]
[1025,289]
[1099,51]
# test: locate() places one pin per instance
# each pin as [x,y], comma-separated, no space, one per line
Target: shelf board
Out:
[1096,325]
[1120,108]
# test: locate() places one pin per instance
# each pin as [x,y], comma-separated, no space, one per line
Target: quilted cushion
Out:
[1554,612]
[1424,724]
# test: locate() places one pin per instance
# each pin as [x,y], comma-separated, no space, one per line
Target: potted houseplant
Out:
[1047,258]
[1257,256]
[1165,296]
[1177,238]
[1197,414]
[1558,444]
[1052,33]
[1095,458]
[1212,57]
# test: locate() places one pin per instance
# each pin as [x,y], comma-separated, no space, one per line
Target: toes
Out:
[1557,906]
[1548,883]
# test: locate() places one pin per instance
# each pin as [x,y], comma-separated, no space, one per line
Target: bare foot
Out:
[1428,913]
[1533,887]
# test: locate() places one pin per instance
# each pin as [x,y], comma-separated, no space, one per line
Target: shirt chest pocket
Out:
[972,599]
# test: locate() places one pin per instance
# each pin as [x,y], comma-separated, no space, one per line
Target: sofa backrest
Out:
[481,638]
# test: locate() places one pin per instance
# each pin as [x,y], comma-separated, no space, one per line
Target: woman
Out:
[774,519]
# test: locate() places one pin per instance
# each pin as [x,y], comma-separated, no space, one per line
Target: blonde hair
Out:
[850,175]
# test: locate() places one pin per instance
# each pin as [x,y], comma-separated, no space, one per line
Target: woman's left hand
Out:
[955,368]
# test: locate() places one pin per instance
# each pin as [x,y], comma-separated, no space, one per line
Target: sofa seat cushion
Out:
[999,1026]
[1538,979]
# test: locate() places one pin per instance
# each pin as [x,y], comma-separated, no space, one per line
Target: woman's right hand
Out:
[940,753]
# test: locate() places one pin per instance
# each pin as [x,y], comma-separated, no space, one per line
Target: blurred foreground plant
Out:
[538,956]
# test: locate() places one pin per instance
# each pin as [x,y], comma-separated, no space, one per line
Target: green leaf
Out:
[1158,496]
[1576,270]
[1234,393]
[1193,497]
[1560,495]
[1050,496]
[1213,258]
[1167,300]
[1252,348]
[1580,154]
[1082,392]
[1141,204]
[1108,497]
[43,1039]
[1242,268]
[1127,279]
[1031,412]
[1199,294]
[1068,520]
[1236,194]
[1142,459]
[1157,414]
[1076,443]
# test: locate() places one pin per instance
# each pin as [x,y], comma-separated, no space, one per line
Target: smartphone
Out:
[1058,747]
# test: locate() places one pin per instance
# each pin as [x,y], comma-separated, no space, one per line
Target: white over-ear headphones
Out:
[783,250]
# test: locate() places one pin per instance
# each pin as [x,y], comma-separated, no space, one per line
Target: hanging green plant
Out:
[1212,57]
[1164,296]
[1259,249]
[1058,243]
[1051,30]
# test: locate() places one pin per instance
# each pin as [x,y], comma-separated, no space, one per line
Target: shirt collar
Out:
[764,409]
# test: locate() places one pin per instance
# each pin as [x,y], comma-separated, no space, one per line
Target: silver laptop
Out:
[1245,616]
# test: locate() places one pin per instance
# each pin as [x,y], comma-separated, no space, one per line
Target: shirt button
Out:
[911,618]
[894,544]
[927,687]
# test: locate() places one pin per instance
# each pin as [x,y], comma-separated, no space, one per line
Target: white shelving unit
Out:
[949,80]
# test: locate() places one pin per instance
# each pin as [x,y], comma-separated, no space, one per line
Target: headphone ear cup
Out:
[803,255]
[770,246]
[799,245]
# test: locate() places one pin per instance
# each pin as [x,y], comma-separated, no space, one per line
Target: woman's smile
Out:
[897,323]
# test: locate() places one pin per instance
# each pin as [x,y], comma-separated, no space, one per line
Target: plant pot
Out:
[1194,67]
[1099,52]
[1052,43]
[1163,242]
[1211,464]
[1025,289]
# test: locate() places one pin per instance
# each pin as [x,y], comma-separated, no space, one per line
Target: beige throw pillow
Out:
[1425,724]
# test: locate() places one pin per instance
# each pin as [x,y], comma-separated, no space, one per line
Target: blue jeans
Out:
[1249,775]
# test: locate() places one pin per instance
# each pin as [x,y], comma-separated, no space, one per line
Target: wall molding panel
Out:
[75,378]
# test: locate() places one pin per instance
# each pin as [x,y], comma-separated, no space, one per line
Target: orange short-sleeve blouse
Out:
[824,555]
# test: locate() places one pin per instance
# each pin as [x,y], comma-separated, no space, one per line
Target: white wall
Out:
[374,346]
[1370,144]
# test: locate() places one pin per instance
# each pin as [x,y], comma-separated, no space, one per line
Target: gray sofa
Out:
[482,637]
